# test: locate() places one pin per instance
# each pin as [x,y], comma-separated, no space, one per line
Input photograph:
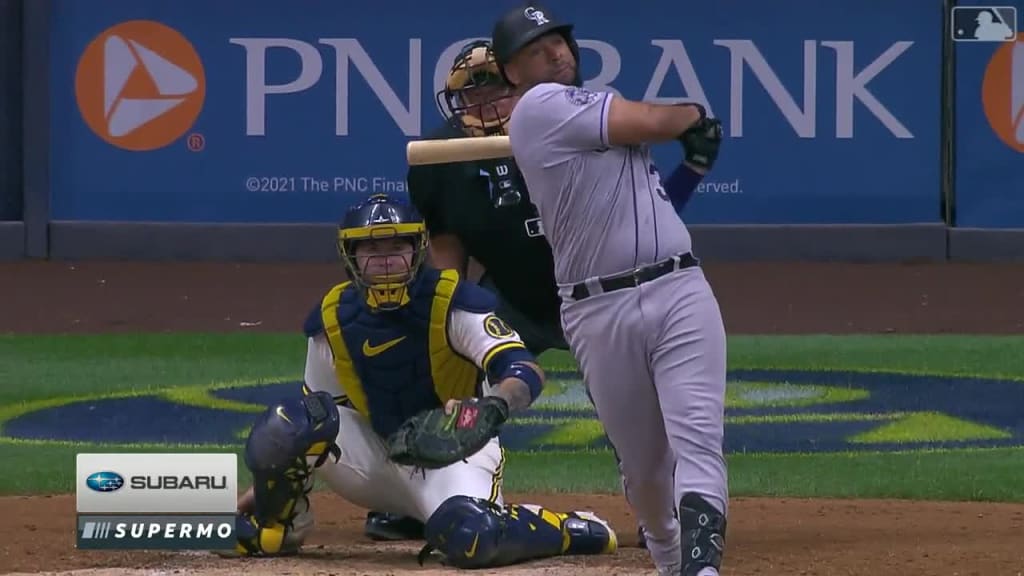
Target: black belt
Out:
[638,276]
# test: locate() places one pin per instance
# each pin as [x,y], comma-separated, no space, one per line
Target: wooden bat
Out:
[420,152]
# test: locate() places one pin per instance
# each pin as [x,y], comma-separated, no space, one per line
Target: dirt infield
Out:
[766,536]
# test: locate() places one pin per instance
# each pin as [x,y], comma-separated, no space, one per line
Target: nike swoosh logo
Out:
[472,549]
[280,412]
[380,348]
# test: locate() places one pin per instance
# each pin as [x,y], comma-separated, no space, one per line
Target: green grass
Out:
[35,368]
[961,475]
[985,475]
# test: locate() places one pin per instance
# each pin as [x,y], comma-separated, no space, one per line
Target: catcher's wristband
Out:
[526,374]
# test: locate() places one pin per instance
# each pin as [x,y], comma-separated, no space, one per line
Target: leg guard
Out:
[703,536]
[286,443]
[476,533]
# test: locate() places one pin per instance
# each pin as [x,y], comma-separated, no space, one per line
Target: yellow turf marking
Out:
[929,427]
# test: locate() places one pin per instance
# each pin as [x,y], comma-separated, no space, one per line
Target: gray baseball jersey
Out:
[653,356]
[603,208]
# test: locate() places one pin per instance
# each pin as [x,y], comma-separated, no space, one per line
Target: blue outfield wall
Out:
[989,133]
[11,208]
[288,114]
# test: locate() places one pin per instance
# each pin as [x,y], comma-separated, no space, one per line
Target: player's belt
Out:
[637,276]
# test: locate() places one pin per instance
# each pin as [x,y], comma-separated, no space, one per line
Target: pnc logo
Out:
[1002,93]
[140,85]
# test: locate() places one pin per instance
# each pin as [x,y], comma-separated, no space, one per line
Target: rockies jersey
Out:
[603,207]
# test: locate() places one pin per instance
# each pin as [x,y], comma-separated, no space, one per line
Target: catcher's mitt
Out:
[433,439]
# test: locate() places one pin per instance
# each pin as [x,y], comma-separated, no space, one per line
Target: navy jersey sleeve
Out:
[314,323]
[429,185]
[427,194]
[473,298]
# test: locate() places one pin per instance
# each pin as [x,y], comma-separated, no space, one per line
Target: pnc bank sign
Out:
[153,84]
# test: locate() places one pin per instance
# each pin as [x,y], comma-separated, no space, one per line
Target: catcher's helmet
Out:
[523,25]
[473,93]
[381,217]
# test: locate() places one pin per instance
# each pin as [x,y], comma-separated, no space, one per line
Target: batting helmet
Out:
[521,26]
[381,217]
[473,93]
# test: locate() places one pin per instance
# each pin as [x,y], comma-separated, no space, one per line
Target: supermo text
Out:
[169,531]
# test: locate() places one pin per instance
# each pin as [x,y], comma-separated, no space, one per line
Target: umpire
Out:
[482,223]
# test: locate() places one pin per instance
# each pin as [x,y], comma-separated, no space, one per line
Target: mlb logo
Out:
[984,23]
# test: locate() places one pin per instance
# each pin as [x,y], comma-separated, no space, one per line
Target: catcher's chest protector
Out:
[394,365]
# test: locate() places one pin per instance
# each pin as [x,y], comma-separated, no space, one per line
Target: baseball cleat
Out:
[392,527]
[588,534]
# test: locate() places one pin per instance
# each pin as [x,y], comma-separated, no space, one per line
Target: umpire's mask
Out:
[475,97]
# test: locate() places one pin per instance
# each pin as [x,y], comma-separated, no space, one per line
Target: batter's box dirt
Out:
[766,537]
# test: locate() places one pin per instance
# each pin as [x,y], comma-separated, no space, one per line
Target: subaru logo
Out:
[105,481]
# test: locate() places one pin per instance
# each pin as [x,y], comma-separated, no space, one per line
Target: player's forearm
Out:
[634,123]
[446,251]
[673,120]
[519,389]
[681,184]
[515,392]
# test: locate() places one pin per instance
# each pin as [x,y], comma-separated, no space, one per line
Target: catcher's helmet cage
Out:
[377,218]
[475,86]
[523,25]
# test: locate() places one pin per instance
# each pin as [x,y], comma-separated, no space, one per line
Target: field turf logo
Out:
[767,411]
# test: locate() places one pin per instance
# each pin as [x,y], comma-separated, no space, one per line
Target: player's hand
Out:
[701,143]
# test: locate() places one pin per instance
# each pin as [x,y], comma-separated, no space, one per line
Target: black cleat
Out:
[385,526]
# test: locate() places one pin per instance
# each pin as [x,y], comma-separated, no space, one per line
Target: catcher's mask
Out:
[475,96]
[383,243]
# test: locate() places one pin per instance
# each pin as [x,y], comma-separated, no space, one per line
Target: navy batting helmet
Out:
[381,217]
[523,25]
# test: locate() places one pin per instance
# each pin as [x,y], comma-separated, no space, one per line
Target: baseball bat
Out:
[442,151]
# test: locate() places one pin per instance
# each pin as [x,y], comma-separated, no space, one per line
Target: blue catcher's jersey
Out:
[394,364]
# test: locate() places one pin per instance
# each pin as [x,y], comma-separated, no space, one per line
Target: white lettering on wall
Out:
[746,61]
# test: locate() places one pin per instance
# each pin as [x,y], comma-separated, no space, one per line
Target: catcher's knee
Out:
[292,429]
[467,531]
[703,529]
[287,440]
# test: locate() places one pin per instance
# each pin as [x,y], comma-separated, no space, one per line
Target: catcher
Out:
[392,416]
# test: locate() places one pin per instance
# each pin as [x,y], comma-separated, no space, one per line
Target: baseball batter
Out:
[638,313]
[479,216]
[398,339]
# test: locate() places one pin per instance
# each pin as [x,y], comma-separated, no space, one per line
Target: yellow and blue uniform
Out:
[385,348]
[395,365]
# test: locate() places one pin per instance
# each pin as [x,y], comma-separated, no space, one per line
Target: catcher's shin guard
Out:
[476,533]
[281,536]
[703,535]
[286,443]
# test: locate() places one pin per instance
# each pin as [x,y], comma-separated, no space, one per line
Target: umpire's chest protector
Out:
[393,365]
